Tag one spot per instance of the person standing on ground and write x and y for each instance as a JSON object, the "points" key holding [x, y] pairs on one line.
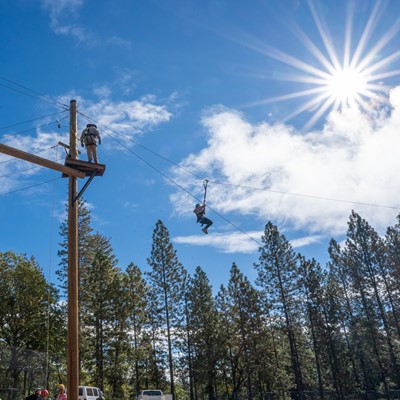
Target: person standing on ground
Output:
{"points": [[35, 396], [89, 138], [45, 395], [61, 395]]}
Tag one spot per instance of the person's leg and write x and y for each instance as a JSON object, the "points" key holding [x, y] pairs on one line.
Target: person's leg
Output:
{"points": [[207, 222], [89, 153], [94, 150]]}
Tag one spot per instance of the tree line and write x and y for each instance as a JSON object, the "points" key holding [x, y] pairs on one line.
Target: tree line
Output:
{"points": [[300, 331]]}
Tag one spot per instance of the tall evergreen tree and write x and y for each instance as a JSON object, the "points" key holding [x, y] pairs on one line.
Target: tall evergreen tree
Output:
{"points": [[165, 278], [278, 276], [85, 249], [362, 255], [239, 307], [205, 338], [392, 259], [97, 304], [136, 302]]}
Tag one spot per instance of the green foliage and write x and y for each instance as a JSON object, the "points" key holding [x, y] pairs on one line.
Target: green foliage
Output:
{"points": [[300, 328]]}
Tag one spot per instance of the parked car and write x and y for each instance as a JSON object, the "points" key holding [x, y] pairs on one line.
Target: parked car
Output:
{"points": [[154, 394], [90, 393]]}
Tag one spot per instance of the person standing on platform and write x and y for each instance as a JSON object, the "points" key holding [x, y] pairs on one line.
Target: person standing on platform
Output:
{"points": [[89, 138]]}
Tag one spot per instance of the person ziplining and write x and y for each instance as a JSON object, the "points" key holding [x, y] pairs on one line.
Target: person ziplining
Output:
{"points": [[200, 211]]}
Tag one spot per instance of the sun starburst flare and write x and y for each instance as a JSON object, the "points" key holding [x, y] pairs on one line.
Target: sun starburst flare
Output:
{"points": [[336, 84]]}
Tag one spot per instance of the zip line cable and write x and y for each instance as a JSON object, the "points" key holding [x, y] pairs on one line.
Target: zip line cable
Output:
{"points": [[43, 97], [66, 108], [34, 128], [229, 184], [143, 160], [235, 226], [140, 145], [306, 195], [34, 119], [20, 171], [175, 183], [29, 187]]}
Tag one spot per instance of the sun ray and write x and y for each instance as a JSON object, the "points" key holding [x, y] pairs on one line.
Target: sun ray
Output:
{"points": [[311, 46], [383, 63], [384, 75], [306, 106], [324, 35], [348, 34], [325, 106], [366, 34], [383, 41], [288, 96]]}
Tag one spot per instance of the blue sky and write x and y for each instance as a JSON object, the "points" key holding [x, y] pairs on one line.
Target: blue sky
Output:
{"points": [[290, 108]]}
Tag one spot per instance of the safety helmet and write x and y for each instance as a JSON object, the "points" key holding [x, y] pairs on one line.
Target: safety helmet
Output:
{"points": [[38, 390], [89, 125], [61, 387], [197, 205], [45, 393]]}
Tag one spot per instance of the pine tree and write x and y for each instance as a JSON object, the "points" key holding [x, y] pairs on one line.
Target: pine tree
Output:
{"points": [[278, 276], [136, 302], [342, 312], [205, 338], [363, 253], [96, 305], [85, 250], [392, 262], [239, 307], [166, 280]]}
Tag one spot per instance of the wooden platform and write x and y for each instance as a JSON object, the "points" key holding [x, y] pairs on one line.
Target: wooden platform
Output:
{"points": [[84, 166]]}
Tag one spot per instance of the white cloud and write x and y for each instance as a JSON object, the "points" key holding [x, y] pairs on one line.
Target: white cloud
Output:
{"points": [[128, 118], [239, 242], [306, 241], [235, 242], [61, 11], [64, 20], [116, 40], [352, 158]]}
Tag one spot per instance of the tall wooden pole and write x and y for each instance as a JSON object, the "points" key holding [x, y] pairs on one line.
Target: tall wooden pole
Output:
{"points": [[73, 280]]}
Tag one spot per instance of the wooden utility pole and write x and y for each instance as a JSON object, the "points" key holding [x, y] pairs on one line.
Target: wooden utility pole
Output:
{"points": [[72, 169], [73, 280]]}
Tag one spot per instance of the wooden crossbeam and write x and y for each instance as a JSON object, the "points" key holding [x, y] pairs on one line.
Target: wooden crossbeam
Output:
{"points": [[11, 151]]}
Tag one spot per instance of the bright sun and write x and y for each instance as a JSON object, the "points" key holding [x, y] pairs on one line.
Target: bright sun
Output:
{"points": [[333, 82], [346, 86]]}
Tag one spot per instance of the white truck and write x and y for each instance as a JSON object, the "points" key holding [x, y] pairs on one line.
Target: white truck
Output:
{"points": [[154, 394]]}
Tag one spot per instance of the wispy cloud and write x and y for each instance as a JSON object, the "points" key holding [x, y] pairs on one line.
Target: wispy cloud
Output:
{"points": [[236, 242], [61, 11], [239, 242], [65, 21], [308, 181], [128, 118]]}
